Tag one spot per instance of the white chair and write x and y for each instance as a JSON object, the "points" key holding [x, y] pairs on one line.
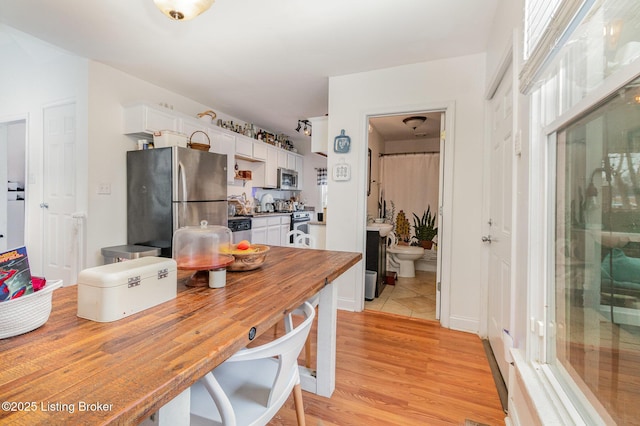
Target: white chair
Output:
{"points": [[300, 239], [250, 387]]}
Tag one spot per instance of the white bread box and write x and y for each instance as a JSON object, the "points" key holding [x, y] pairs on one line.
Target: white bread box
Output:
{"points": [[166, 138], [114, 291]]}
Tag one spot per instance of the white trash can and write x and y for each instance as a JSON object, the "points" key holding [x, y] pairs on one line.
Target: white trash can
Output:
{"points": [[370, 285]]}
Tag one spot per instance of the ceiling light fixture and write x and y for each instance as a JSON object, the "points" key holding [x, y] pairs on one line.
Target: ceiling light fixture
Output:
{"points": [[414, 121], [307, 127], [183, 10]]}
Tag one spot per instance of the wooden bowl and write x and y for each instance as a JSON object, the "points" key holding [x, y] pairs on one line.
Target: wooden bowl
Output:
{"points": [[250, 259]]}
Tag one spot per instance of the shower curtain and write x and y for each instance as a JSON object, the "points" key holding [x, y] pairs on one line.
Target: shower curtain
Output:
{"points": [[411, 181]]}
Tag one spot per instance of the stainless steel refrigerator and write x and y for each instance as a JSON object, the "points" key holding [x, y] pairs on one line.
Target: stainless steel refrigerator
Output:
{"points": [[168, 188]]}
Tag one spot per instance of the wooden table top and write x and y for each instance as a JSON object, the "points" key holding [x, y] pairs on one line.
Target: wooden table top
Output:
{"points": [[76, 371]]}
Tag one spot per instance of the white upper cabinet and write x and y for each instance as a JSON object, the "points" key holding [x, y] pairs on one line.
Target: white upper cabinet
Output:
{"points": [[291, 161], [282, 159], [147, 118], [320, 135], [195, 129], [224, 143], [244, 147], [260, 151], [271, 168]]}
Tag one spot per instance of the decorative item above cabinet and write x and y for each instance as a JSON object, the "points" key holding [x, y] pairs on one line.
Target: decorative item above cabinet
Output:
{"points": [[143, 119]]}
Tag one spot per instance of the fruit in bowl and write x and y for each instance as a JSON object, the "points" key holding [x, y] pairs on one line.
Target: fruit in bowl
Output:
{"points": [[247, 256]]}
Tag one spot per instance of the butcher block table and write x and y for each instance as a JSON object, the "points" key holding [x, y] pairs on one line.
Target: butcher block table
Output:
{"points": [[76, 371]]}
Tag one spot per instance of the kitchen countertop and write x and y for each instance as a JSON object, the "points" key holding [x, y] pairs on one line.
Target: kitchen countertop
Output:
{"points": [[262, 215], [315, 222], [132, 367]]}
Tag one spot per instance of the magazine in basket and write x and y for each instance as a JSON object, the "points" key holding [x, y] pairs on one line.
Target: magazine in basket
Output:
{"points": [[15, 275]]}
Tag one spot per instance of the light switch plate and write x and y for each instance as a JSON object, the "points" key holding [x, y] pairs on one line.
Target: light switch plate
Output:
{"points": [[104, 189]]}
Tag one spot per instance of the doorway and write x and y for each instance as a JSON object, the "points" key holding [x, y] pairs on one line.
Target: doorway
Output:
{"points": [[405, 181], [12, 196]]}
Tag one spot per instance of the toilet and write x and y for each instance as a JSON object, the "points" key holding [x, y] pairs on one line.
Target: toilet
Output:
{"points": [[402, 258]]}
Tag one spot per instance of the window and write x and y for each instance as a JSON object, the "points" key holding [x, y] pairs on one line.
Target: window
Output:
{"points": [[587, 99], [597, 256]]}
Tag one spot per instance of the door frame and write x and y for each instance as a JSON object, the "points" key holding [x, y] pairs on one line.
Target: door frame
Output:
{"points": [[445, 196], [10, 119]]}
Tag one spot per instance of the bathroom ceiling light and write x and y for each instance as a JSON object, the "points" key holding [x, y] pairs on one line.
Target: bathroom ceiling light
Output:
{"points": [[414, 121], [307, 127], [183, 10]]}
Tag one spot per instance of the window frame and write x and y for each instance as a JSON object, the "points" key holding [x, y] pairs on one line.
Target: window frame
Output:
{"points": [[542, 238]]}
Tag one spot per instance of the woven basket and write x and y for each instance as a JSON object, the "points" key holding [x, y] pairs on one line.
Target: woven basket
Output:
{"points": [[199, 146], [26, 313]]}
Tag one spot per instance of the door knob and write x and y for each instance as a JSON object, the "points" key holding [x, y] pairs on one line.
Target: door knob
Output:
{"points": [[486, 239], [44, 205]]}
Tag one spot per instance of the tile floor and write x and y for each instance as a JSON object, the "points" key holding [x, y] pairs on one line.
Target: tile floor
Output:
{"points": [[412, 297]]}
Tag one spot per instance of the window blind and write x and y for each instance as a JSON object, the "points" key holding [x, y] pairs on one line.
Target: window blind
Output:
{"points": [[548, 24], [538, 14]]}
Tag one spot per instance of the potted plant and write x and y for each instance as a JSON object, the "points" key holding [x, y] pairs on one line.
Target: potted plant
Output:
{"points": [[424, 229]]}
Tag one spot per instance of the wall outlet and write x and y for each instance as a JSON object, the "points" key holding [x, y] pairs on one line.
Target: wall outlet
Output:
{"points": [[104, 189]]}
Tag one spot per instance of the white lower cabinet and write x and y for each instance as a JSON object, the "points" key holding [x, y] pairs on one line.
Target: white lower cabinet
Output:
{"points": [[270, 230], [285, 224]]}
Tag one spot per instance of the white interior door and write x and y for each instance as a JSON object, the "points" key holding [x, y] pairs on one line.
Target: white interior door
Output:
{"points": [[59, 192], [499, 224], [3, 187]]}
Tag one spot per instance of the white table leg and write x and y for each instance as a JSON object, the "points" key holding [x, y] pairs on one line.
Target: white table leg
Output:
{"points": [[324, 381], [174, 413]]}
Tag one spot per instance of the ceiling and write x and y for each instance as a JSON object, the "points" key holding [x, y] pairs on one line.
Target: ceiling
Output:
{"points": [[392, 127], [266, 62]]}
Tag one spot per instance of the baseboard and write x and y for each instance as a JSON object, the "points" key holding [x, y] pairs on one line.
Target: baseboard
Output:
{"points": [[501, 387], [470, 325]]}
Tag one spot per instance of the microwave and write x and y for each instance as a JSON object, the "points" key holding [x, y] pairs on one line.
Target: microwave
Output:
{"points": [[287, 179]]}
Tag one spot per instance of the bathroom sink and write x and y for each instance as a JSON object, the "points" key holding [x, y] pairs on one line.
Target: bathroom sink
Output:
{"points": [[382, 228]]}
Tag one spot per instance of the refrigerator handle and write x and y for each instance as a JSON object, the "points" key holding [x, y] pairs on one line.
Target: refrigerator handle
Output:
{"points": [[183, 182]]}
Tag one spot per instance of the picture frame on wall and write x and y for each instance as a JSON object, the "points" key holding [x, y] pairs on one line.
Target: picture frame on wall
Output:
{"points": [[342, 143]]}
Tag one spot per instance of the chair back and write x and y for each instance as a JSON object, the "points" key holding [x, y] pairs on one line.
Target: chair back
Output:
{"points": [[283, 350], [300, 239], [286, 348]]}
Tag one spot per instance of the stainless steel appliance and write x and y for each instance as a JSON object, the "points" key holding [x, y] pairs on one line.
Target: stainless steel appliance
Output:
{"points": [[168, 188], [287, 179], [300, 221], [240, 228]]}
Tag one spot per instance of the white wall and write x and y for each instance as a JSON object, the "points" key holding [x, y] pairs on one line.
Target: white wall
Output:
{"points": [[310, 189], [418, 87], [34, 75], [377, 146], [413, 145], [109, 90]]}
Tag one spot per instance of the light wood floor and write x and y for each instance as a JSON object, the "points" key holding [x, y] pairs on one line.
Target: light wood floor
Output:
{"points": [[394, 370]]}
